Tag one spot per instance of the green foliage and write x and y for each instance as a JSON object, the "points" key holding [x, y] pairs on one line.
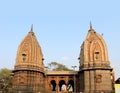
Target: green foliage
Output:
{"points": [[54, 66], [5, 79], [5, 73]]}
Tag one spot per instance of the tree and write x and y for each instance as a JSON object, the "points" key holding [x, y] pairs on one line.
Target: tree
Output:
{"points": [[5, 73], [54, 66], [5, 78]]}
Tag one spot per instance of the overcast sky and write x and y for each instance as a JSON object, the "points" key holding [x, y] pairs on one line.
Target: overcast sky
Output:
{"points": [[60, 27]]}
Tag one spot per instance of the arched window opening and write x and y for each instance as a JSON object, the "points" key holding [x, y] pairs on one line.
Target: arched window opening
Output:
{"points": [[62, 86], [96, 55], [24, 56], [70, 87], [53, 85]]}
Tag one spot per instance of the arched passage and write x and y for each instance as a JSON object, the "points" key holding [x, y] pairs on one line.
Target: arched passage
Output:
{"points": [[70, 86], [53, 85], [62, 85]]}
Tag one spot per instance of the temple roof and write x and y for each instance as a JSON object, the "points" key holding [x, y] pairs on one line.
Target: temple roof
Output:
{"points": [[61, 72], [29, 52], [93, 49]]}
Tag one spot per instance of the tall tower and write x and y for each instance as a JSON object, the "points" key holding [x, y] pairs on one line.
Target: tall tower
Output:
{"points": [[29, 67], [95, 71]]}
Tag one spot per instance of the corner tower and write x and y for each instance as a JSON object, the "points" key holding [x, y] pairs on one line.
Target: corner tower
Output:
{"points": [[29, 67], [95, 71]]}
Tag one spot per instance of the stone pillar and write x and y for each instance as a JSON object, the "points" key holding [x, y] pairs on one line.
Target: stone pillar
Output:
{"points": [[57, 88], [87, 81]]}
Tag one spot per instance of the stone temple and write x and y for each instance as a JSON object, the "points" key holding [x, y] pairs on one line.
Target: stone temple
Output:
{"points": [[95, 74]]}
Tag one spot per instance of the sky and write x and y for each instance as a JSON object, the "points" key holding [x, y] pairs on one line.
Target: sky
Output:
{"points": [[60, 27]]}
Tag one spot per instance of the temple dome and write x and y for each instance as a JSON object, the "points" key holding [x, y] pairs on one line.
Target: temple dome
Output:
{"points": [[29, 54], [93, 50]]}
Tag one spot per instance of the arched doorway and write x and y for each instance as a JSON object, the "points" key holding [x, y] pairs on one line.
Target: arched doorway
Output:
{"points": [[62, 85], [53, 85], [70, 87]]}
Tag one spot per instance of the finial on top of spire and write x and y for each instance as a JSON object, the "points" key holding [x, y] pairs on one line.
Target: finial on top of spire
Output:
{"points": [[91, 28], [90, 25], [32, 28]]}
